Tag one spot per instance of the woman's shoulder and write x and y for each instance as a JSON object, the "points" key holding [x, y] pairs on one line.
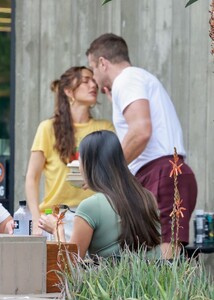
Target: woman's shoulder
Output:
{"points": [[45, 125], [93, 200]]}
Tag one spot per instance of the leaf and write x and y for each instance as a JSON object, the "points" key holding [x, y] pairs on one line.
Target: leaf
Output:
{"points": [[105, 1], [105, 295], [190, 2], [92, 291]]}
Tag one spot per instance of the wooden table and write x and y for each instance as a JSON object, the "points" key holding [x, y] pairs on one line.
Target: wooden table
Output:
{"points": [[193, 249]]}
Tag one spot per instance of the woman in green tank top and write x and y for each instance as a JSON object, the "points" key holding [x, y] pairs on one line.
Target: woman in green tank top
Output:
{"points": [[121, 214]]}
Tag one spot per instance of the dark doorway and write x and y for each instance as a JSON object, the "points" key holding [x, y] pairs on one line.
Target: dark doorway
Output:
{"points": [[7, 66]]}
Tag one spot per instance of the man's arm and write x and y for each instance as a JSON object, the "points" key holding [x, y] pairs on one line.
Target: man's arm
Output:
{"points": [[137, 116]]}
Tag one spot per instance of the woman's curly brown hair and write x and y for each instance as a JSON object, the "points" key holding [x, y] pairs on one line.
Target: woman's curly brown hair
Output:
{"points": [[63, 122]]}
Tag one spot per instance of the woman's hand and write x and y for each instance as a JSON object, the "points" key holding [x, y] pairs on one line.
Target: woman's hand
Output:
{"points": [[48, 223]]}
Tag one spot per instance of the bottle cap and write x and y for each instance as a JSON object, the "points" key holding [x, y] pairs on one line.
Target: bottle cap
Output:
{"points": [[23, 203], [199, 212], [48, 211]]}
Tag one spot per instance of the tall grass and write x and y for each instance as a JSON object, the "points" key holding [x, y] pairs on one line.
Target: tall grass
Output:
{"points": [[134, 277]]}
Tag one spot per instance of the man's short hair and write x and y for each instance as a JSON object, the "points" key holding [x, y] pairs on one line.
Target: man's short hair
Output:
{"points": [[111, 47]]}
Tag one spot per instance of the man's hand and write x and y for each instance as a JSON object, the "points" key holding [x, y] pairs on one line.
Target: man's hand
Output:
{"points": [[107, 91]]}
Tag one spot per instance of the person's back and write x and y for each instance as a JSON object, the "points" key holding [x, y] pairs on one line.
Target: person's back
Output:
{"points": [[106, 224], [100, 215], [137, 83]]}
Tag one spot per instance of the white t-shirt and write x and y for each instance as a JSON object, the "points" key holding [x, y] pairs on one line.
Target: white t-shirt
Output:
{"points": [[3, 213], [133, 84]]}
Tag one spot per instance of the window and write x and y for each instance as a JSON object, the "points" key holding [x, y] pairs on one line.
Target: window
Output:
{"points": [[5, 37]]}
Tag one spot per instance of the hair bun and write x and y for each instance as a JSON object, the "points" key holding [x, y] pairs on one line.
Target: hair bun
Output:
{"points": [[55, 85]]}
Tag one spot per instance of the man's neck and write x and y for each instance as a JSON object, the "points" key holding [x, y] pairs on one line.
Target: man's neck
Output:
{"points": [[116, 69]]}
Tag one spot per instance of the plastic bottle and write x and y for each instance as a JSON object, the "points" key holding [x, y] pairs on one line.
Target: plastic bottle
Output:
{"points": [[49, 236], [67, 220], [199, 226], [22, 219]]}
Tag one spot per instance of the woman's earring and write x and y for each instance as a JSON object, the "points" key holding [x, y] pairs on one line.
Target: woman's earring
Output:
{"points": [[71, 100]]}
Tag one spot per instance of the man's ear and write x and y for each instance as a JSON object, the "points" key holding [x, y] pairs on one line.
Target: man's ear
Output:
{"points": [[69, 93], [103, 62]]}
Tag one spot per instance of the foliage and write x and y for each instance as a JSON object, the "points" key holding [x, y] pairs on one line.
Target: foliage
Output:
{"points": [[188, 3], [105, 1], [4, 52], [134, 277]]}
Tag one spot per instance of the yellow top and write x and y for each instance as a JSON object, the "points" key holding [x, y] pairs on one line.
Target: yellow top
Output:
{"points": [[57, 189]]}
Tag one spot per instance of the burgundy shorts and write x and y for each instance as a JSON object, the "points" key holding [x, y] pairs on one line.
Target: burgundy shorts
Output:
{"points": [[155, 177]]}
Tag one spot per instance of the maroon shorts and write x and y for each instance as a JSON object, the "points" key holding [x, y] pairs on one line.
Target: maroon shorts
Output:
{"points": [[155, 177]]}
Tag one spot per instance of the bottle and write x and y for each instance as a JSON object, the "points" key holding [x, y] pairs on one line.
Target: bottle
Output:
{"points": [[199, 226], [22, 219], [68, 219], [49, 236]]}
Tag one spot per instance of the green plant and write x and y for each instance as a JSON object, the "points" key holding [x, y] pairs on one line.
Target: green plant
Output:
{"points": [[188, 3], [132, 276]]}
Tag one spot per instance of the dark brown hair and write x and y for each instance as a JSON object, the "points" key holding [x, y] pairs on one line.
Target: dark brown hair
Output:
{"points": [[63, 123], [106, 171], [109, 46]]}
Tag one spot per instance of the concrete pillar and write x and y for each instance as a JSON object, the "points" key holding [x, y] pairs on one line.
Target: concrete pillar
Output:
{"points": [[23, 262]]}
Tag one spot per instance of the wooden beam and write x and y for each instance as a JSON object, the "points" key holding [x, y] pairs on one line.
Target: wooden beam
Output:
{"points": [[6, 10], [5, 20], [5, 29]]}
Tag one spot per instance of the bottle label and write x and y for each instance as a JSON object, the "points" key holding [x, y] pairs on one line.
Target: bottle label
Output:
{"points": [[30, 227], [22, 227], [200, 222]]}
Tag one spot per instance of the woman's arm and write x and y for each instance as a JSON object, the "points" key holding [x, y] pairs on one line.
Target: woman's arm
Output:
{"points": [[7, 225], [33, 176], [81, 235], [49, 224]]}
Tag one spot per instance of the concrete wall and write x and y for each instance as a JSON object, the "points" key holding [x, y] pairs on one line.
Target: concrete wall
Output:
{"points": [[163, 36]]}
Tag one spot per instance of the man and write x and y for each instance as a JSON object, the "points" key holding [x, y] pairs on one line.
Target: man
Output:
{"points": [[148, 128], [6, 221]]}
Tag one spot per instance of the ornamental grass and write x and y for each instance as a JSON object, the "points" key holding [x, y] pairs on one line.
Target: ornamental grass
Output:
{"points": [[132, 276]]}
